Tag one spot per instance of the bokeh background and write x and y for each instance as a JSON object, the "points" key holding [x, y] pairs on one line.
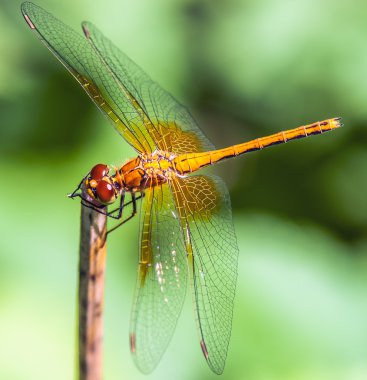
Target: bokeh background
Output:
{"points": [[245, 68]]}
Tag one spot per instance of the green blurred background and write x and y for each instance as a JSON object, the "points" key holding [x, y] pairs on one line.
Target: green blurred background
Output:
{"points": [[245, 69]]}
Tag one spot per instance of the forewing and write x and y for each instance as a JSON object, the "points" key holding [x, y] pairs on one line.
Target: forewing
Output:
{"points": [[173, 127], [212, 254], [162, 279], [96, 78]]}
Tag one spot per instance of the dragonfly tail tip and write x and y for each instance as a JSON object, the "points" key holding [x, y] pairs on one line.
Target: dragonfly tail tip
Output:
{"points": [[338, 122]]}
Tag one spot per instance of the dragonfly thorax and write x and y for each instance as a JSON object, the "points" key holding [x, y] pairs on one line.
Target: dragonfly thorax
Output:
{"points": [[147, 170], [159, 166]]}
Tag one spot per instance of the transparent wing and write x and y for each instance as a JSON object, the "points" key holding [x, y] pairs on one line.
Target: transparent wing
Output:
{"points": [[162, 279], [141, 111], [205, 211], [96, 78], [173, 128]]}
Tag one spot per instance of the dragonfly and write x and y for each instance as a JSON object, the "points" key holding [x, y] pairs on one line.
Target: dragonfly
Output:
{"points": [[186, 228]]}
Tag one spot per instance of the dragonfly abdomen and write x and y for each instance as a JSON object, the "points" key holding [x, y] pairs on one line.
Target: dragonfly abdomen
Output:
{"points": [[188, 163]]}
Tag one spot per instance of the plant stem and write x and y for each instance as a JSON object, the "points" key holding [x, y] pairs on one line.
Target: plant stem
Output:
{"points": [[92, 264]]}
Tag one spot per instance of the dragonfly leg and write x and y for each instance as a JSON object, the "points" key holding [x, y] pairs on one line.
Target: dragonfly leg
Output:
{"points": [[101, 208], [128, 203], [74, 193], [133, 213], [119, 209], [92, 206]]}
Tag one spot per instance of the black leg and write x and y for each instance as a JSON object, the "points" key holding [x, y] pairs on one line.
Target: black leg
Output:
{"points": [[92, 206], [74, 194], [129, 203], [133, 201], [100, 209], [120, 208]]}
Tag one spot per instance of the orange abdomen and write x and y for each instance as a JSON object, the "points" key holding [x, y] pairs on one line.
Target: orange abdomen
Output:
{"points": [[188, 163]]}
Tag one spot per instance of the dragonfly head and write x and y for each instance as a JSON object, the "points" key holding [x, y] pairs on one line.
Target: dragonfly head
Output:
{"points": [[100, 186]]}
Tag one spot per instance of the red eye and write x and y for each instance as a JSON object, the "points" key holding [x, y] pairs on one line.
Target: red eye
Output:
{"points": [[105, 192], [99, 171]]}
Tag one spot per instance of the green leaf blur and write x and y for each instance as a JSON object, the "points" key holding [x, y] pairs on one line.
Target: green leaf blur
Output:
{"points": [[245, 69]]}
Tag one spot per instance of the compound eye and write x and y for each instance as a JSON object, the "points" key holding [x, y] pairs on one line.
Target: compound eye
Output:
{"points": [[99, 171], [105, 192]]}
